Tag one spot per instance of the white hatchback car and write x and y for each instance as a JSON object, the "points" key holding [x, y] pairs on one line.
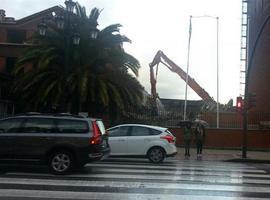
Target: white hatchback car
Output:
{"points": [[154, 142]]}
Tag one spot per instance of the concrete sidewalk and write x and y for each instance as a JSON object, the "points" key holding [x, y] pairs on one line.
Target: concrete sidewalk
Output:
{"points": [[226, 155]]}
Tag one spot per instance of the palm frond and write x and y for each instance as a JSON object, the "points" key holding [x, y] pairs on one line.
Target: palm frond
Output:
{"points": [[115, 95], [111, 29], [94, 15], [103, 92], [132, 63], [80, 11]]}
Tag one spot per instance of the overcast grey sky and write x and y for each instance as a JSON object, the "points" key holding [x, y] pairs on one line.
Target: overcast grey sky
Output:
{"points": [[163, 24]]}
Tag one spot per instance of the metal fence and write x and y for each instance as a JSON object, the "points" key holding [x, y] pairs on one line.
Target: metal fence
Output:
{"points": [[153, 116], [171, 119], [157, 118]]}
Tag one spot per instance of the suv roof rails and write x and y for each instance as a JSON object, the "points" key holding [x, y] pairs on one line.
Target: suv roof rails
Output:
{"points": [[67, 115], [28, 113], [50, 114]]}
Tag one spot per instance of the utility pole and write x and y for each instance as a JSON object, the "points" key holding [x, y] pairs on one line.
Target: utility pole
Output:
{"points": [[188, 55], [217, 72]]}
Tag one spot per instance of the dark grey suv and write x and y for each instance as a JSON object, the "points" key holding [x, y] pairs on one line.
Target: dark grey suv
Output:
{"points": [[61, 141]]}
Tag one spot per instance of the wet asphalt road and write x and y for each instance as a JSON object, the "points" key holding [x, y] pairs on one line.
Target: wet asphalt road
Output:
{"points": [[122, 178]]}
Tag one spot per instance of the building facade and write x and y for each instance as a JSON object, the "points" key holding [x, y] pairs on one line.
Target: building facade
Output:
{"points": [[258, 55], [14, 38]]}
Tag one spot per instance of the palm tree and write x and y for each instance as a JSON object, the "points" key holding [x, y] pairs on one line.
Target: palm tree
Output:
{"points": [[97, 78]]}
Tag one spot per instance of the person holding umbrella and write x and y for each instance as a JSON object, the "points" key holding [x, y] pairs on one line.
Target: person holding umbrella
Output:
{"points": [[199, 137], [187, 138]]}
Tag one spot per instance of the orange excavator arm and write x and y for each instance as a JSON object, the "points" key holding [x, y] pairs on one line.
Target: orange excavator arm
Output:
{"points": [[160, 57]]}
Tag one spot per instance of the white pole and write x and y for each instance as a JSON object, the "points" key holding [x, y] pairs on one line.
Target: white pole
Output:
{"points": [[217, 72], [188, 54]]}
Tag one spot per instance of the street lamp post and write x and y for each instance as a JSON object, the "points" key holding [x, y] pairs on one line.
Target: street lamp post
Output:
{"points": [[42, 28], [63, 23], [70, 5], [189, 41], [188, 56], [66, 25]]}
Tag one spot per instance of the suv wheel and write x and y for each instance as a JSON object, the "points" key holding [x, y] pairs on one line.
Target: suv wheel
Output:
{"points": [[156, 155], [61, 162]]}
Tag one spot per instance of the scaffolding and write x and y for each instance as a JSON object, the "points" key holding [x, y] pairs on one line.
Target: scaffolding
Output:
{"points": [[244, 47]]}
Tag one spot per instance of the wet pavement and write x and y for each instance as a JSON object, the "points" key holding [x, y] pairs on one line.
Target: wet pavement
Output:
{"points": [[130, 178], [228, 155]]}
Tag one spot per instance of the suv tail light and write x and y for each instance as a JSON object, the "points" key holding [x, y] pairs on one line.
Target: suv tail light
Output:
{"points": [[96, 138], [169, 138]]}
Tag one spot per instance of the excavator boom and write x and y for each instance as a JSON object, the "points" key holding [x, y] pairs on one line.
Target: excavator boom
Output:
{"points": [[160, 57]]}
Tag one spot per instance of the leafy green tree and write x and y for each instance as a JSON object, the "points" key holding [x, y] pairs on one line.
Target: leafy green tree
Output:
{"points": [[100, 75]]}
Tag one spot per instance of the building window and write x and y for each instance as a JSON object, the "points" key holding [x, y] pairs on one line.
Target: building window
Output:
{"points": [[10, 63], [16, 36]]}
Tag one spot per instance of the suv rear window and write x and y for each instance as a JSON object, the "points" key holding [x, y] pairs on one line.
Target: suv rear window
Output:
{"points": [[101, 127], [72, 126]]}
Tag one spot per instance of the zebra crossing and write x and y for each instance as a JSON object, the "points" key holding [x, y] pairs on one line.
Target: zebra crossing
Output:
{"points": [[134, 179]]}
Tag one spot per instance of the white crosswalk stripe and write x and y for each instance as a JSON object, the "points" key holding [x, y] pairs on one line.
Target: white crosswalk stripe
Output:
{"points": [[135, 179], [134, 184], [181, 167], [111, 196]]}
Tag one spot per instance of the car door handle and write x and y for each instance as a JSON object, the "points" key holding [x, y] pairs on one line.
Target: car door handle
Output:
{"points": [[121, 140]]}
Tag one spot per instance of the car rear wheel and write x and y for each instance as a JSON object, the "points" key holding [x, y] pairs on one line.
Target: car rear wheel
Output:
{"points": [[156, 155], [61, 162]]}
